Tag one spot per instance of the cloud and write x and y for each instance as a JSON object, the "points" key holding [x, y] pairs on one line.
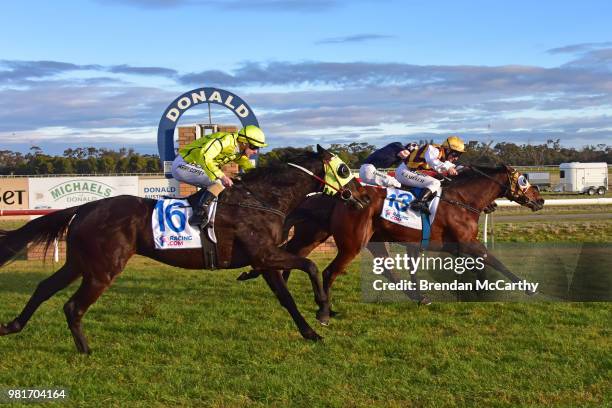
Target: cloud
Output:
{"points": [[596, 57], [20, 72], [579, 48], [307, 102], [357, 38], [508, 79], [150, 71], [11, 71]]}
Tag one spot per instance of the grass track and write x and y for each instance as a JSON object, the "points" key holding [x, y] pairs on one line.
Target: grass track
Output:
{"points": [[168, 337]]}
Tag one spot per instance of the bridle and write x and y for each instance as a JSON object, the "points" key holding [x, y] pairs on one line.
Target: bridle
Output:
{"points": [[344, 193], [515, 189]]}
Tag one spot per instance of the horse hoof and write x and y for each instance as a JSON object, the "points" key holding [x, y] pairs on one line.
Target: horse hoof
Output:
{"points": [[333, 313], [10, 328], [424, 301], [252, 274], [323, 318], [312, 335]]}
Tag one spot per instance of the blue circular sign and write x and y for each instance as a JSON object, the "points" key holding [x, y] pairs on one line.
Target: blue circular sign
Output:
{"points": [[168, 121]]}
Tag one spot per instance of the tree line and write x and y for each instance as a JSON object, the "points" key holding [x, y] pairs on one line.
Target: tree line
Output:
{"points": [[91, 160], [549, 153], [81, 160]]}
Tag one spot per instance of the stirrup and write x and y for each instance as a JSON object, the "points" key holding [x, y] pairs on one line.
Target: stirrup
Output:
{"points": [[200, 218], [420, 206]]}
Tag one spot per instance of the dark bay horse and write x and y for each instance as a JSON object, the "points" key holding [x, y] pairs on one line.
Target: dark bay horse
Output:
{"points": [[101, 236], [454, 230]]}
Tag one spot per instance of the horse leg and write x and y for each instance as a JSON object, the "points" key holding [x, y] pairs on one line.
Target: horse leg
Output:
{"points": [[89, 291], [300, 247], [306, 237], [331, 272], [45, 289], [275, 259], [379, 250], [477, 249], [275, 281]]}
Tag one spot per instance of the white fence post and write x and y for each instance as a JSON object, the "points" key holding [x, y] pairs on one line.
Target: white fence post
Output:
{"points": [[55, 251]]}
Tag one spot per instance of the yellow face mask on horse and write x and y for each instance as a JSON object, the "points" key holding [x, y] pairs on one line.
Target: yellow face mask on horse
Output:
{"points": [[337, 175]]}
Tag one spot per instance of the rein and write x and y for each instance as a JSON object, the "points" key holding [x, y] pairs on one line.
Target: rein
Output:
{"points": [[469, 207], [462, 205], [311, 174], [261, 207], [482, 173], [513, 196], [258, 207]]}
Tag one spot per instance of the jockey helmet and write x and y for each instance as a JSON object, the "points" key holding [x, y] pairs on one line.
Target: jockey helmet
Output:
{"points": [[454, 143], [411, 146], [252, 135]]}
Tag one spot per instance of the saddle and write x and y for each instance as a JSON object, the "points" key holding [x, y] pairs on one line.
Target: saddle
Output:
{"points": [[207, 234]]}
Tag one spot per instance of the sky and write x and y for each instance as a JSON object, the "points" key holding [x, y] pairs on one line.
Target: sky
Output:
{"points": [[101, 72]]}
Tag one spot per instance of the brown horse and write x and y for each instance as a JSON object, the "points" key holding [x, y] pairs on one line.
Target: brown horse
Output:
{"points": [[102, 235], [454, 230]]}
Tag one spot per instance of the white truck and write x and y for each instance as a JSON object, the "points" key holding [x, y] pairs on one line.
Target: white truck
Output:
{"points": [[589, 178]]}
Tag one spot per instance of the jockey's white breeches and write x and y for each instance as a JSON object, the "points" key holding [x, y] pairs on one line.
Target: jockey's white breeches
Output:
{"points": [[369, 174], [191, 173], [413, 179]]}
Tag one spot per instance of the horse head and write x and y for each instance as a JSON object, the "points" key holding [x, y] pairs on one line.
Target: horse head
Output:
{"points": [[339, 181], [520, 191]]}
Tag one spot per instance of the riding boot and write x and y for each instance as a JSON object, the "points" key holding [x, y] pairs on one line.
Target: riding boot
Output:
{"points": [[422, 203], [200, 212]]}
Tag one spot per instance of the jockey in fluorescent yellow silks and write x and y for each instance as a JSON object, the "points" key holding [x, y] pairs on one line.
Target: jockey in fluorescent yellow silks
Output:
{"points": [[199, 163]]}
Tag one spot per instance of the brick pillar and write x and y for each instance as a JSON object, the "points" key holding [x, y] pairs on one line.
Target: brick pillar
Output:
{"points": [[186, 134]]}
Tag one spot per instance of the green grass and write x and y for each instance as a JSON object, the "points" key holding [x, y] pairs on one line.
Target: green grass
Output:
{"points": [[11, 224], [168, 337], [550, 210], [554, 231], [551, 195]]}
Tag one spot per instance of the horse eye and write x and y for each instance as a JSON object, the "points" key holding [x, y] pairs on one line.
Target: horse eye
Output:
{"points": [[343, 171]]}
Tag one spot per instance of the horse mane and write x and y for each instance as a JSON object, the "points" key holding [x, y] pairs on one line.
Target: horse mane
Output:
{"points": [[467, 176], [276, 168]]}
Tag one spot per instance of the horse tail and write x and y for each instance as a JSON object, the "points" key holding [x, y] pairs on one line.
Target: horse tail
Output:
{"points": [[41, 230]]}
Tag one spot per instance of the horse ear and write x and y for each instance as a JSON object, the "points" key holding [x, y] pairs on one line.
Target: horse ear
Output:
{"points": [[323, 153]]}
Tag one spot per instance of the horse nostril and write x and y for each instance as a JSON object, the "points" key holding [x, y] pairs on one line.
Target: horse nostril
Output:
{"points": [[541, 201]]}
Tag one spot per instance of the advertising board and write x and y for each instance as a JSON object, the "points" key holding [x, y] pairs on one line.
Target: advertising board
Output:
{"points": [[157, 188], [14, 194], [64, 192]]}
